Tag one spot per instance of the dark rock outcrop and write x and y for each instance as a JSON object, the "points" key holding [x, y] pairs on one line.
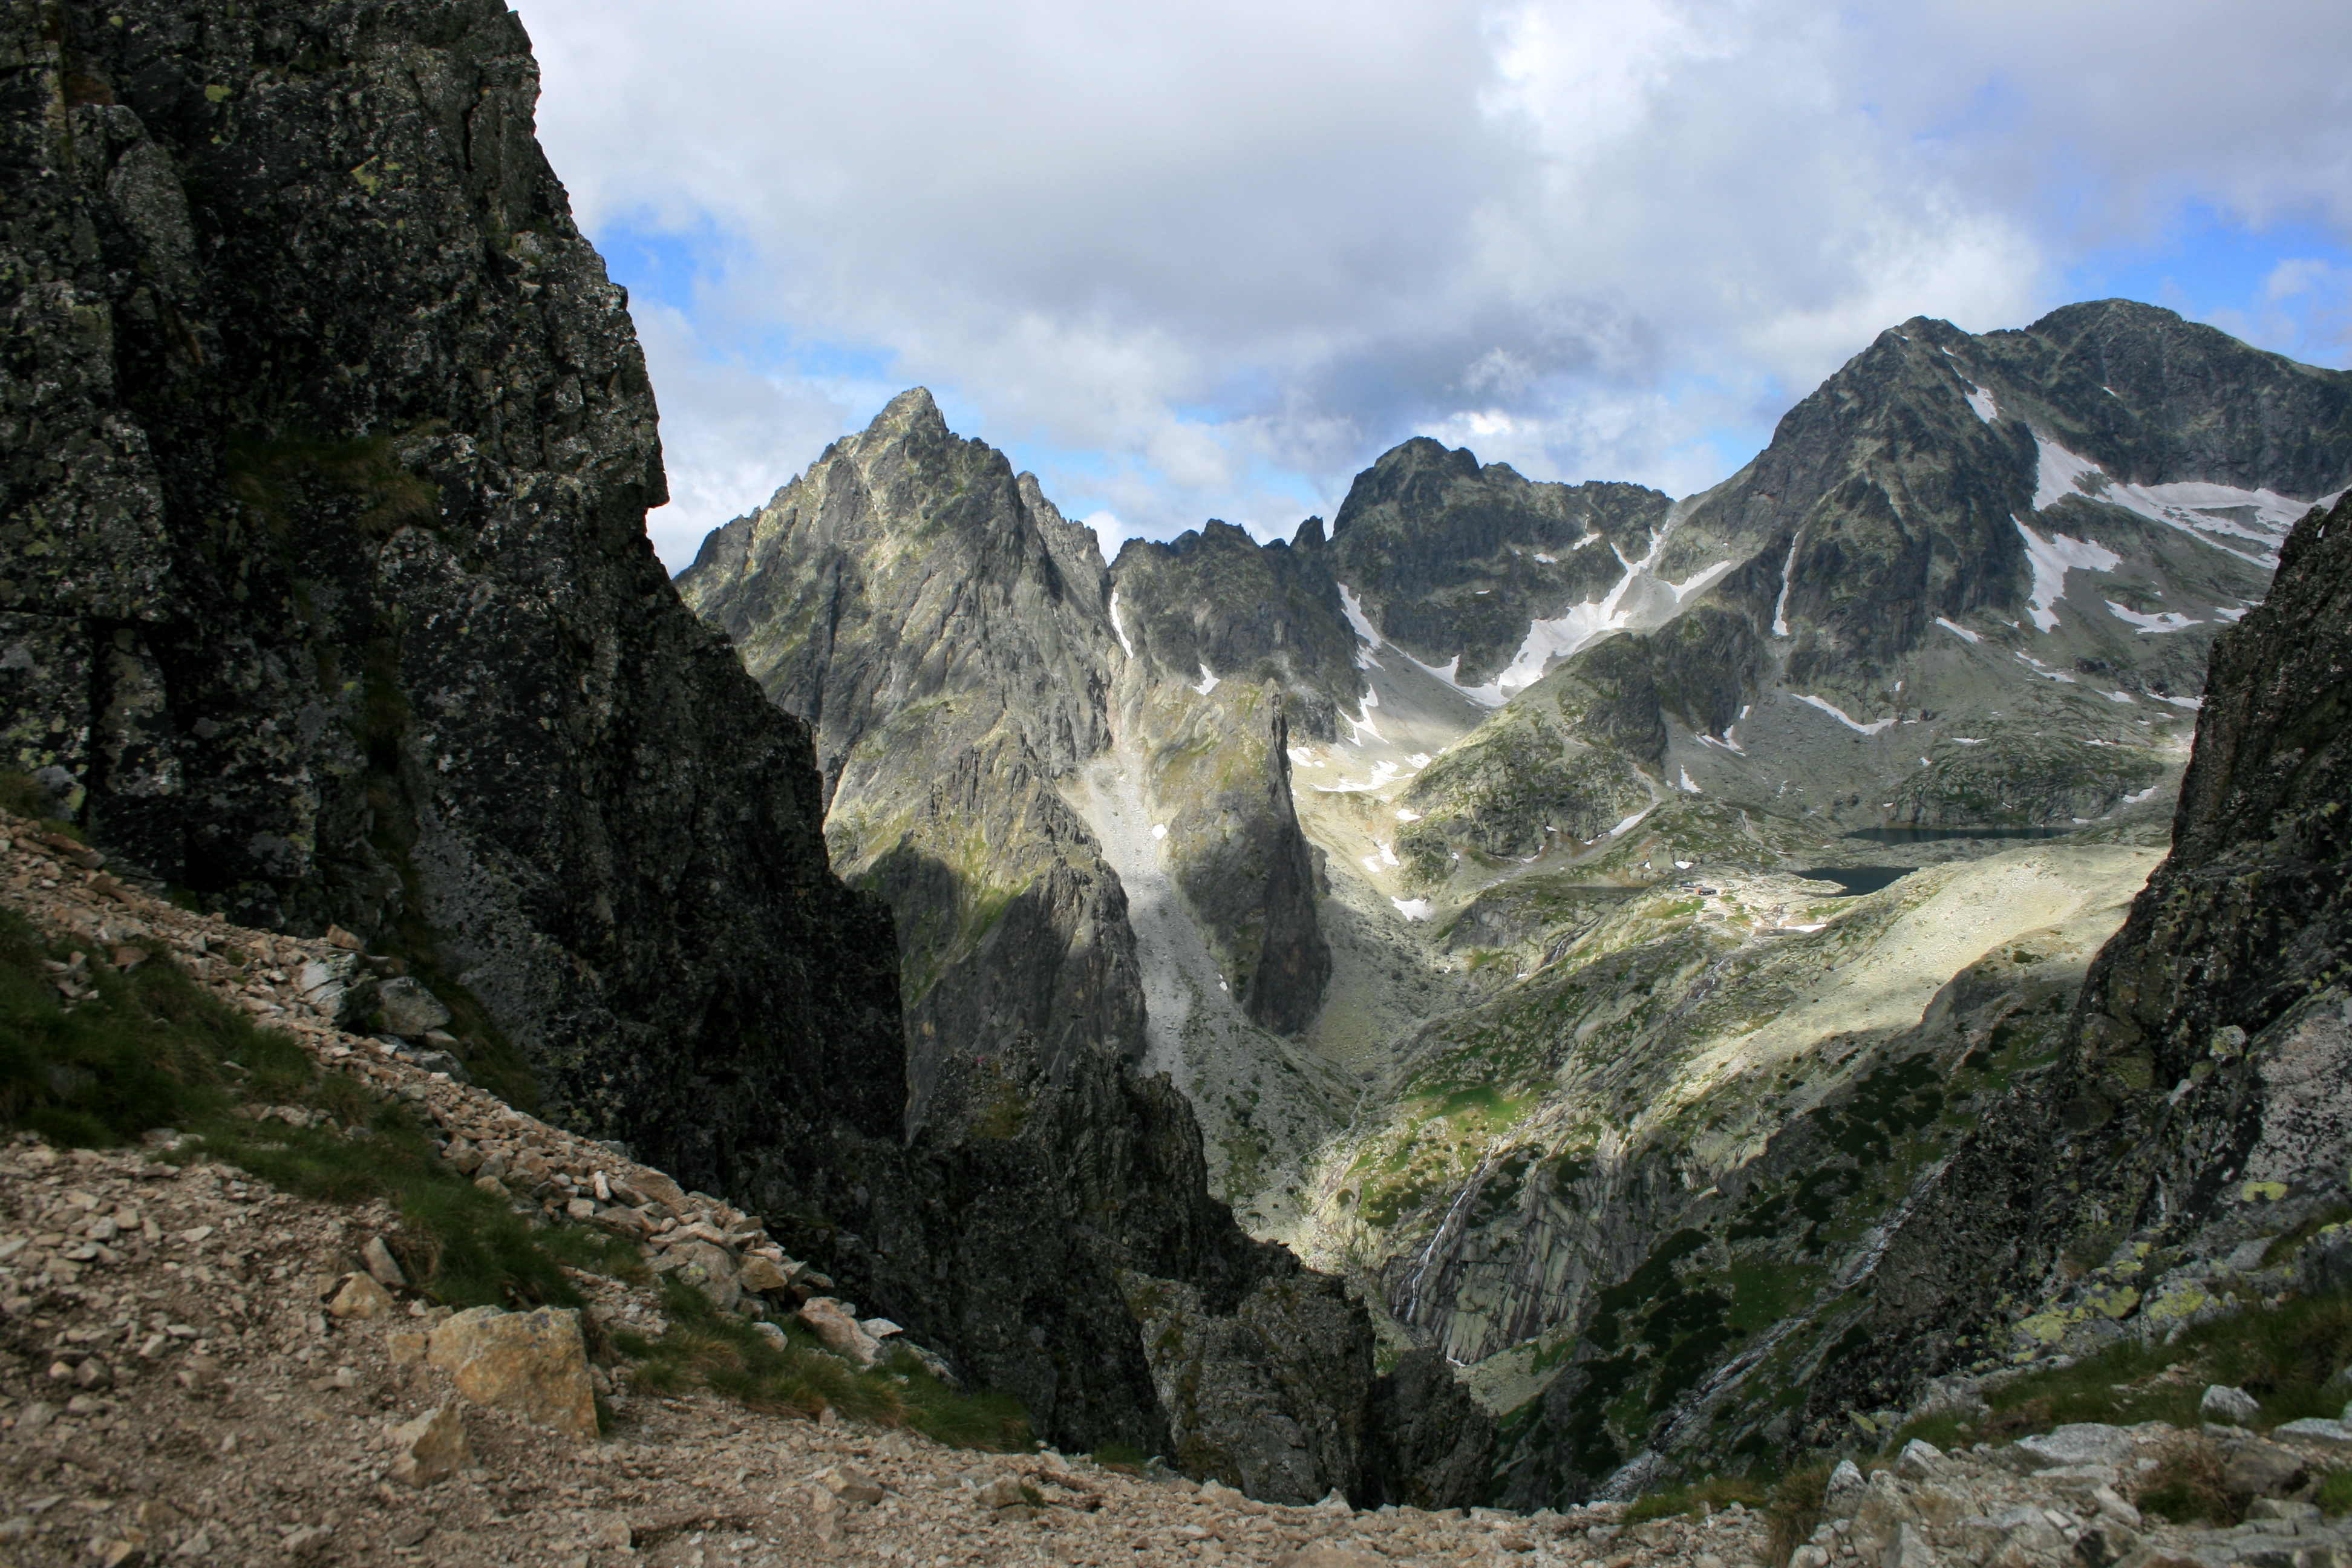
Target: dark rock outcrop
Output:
{"points": [[945, 632], [1216, 600], [1059, 1240], [1267, 623], [326, 586], [325, 596], [1454, 558], [2207, 1067], [2153, 398]]}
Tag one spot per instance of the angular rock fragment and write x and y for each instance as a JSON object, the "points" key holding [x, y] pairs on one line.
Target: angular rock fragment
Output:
{"points": [[409, 1009], [2234, 1405], [532, 1363], [838, 1329], [381, 1264], [361, 1297], [2262, 1469], [761, 1276], [1918, 1461], [432, 1448]]}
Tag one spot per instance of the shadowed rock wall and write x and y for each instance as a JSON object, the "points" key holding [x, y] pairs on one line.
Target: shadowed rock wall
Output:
{"points": [[2208, 1063], [327, 595]]}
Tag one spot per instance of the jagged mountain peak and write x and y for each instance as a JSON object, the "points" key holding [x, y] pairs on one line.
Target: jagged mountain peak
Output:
{"points": [[912, 409], [1455, 560], [2153, 398], [1403, 473]]}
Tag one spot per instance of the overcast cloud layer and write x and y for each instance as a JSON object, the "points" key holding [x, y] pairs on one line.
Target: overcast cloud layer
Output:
{"points": [[1210, 259]]}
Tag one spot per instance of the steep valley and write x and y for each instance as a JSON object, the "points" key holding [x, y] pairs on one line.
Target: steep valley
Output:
{"points": [[1488, 858], [1523, 993]]}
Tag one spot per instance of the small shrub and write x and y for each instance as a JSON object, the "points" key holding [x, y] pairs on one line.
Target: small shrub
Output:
{"points": [[2336, 1494], [22, 795], [1794, 1509], [2186, 1487]]}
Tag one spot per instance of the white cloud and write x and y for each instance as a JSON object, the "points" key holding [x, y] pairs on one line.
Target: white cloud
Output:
{"points": [[1210, 259], [730, 436]]}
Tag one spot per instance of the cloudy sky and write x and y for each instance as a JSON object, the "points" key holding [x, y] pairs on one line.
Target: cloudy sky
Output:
{"points": [[1209, 260]]}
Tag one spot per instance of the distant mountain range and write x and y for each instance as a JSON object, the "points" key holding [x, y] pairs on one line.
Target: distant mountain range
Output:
{"points": [[1367, 836], [1038, 946]]}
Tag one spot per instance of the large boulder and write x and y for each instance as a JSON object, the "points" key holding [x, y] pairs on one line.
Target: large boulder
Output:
{"points": [[1272, 1398], [410, 1010], [533, 1364]]}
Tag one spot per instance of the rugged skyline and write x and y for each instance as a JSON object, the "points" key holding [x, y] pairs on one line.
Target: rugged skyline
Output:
{"points": [[1467, 861], [1211, 261]]}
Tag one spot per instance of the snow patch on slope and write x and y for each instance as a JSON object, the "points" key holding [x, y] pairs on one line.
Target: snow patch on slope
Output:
{"points": [[1490, 695], [1840, 714], [2169, 621], [2211, 513], [1118, 630], [2051, 559], [1781, 606], [1638, 603]]}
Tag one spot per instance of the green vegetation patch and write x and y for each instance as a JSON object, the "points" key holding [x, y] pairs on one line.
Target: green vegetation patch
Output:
{"points": [[793, 1374], [1701, 1497], [151, 1048], [2283, 1355]]}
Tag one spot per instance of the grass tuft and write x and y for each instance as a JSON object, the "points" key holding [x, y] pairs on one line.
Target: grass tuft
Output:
{"points": [[1794, 1508], [22, 795], [1708, 1493], [2186, 1487], [152, 1050], [1125, 1457], [707, 1349]]}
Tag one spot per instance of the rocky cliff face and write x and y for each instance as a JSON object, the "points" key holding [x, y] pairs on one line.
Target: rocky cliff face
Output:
{"points": [[2204, 1089], [1894, 494], [945, 633], [929, 613], [1070, 782], [1233, 645], [1454, 559], [327, 595], [994, 741]]}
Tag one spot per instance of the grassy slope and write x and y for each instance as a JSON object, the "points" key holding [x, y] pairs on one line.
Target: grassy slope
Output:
{"points": [[148, 1048]]}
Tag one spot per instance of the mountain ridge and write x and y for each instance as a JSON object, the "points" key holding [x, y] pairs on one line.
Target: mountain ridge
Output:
{"points": [[1553, 753], [327, 602]]}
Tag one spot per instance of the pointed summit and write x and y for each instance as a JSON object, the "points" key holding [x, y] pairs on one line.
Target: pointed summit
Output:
{"points": [[911, 409]]}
